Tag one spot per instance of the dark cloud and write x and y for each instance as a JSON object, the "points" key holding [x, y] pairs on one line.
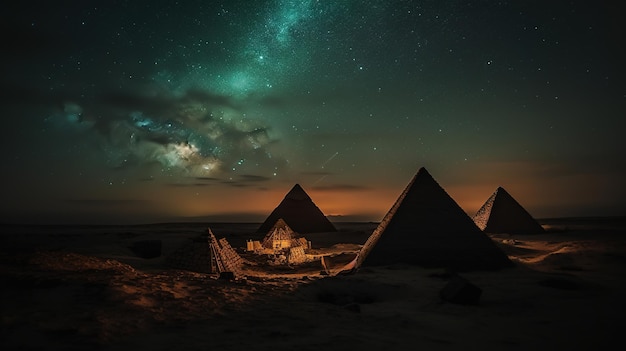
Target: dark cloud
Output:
{"points": [[315, 173], [197, 132], [209, 179], [207, 98], [180, 185], [253, 178], [105, 202], [236, 184], [164, 103], [340, 187], [245, 180]]}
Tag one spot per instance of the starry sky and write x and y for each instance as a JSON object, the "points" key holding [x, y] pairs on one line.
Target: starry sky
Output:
{"points": [[151, 111]]}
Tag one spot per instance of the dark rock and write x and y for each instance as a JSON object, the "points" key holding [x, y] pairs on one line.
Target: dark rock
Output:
{"points": [[460, 291], [227, 275], [147, 248], [353, 307], [559, 283]]}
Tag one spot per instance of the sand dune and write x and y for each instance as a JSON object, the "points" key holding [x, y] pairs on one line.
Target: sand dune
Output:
{"points": [[78, 290]]}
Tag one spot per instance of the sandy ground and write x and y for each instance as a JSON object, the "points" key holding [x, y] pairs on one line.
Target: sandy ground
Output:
{"points": [[80, 288]]}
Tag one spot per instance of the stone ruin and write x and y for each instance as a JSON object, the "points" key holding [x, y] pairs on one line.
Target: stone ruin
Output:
{"points": [[206, 254], [282, 244]]}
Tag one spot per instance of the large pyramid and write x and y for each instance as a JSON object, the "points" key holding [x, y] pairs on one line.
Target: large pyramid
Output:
{"points": [[426, 227], [300, 213], [501, 213]]}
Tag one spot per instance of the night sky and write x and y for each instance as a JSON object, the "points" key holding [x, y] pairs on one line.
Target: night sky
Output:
{"points": [[151, 111]]}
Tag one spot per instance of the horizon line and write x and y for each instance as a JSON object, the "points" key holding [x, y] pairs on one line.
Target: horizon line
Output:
{"points": [[165, 222]]}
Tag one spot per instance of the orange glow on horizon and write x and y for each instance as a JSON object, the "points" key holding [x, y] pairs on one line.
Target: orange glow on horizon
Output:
{"points": [[548, 196], [369, 205]]}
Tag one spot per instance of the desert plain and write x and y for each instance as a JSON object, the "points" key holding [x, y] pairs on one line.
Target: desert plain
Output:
{"points": [[81, 287]]}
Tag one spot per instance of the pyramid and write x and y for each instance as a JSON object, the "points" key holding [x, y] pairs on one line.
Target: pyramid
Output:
{"points": [[426, 227], [501, 213], [279, 232], [299, 211]]}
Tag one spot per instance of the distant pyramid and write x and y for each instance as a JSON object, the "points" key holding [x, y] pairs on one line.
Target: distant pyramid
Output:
{"points": [[501, 213], [299, 211], [426, 227]]}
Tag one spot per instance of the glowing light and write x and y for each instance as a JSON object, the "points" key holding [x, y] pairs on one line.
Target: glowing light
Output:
{"points": [[73, 112], [185, 151], [241, 81], [178, 155], [209, 167]]}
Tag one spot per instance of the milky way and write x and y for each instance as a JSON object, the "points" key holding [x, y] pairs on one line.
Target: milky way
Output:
{"points": [[114, 102], [194, 121]]}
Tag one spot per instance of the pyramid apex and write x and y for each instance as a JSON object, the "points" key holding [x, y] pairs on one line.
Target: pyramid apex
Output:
{"points": [[501, 191], [422, 176], [297, 193], [280, 223], [299, 212], [422, 172]]}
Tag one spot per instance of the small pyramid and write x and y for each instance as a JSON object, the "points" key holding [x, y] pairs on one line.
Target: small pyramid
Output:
{"points": [[298, 210], [280, 231], [501, 213], [426, 227]]}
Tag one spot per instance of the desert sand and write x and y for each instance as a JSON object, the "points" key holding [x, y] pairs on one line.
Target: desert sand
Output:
{"points": [[82, 287]]}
